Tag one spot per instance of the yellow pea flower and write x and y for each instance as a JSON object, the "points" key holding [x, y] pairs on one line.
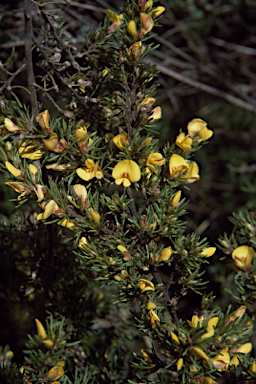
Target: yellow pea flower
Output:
{"points": [[66, 223], [245, 348], [42, 334], [200, 353], [208, 252], [184, 142], [151, 305], [132, 30], [179, 364], [153, 318], [40, 191], [27, 150], [115, 19], [92, 170], [136, 49], [51, 143], [156, 159], [81, 192], [14, 171], [212, 323], [121, 141], [56, 372], [195, 126], [174, 337], [146, 23], [165, 254], [95, 216], [176, 199], [234, 361], [236, 315], [192, 173], [43, 121], [83, 243], [145, 285], [126, 172], [19, 187], [157, 11], [193, 323], [80, 136], [50, 208], [177, 165], [243, 256], [156, 114], [222, 360], [10, 126], [58, 167]]}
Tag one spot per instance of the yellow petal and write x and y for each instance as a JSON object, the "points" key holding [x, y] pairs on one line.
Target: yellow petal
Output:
{"points": [[194, 322], [165, 254], [14, 171], [176, 199], [66, 223], [52, 142], [158, 11], [156, 114], [56, 372], [177, 165], [196, 125], [80, 191], [43, 120], [151, 305], [121, 248], [81, 133], [179, 364], [245, 348], [200, 353], [48, 343], [131, 28], [136, 49], [208, 252], [184, 142], [212, 323], [10, 126], [146, 22], [33, 169], [113, 17], [95, 216], [234, 361], [121, 141], [40, 329], [175, 337], [50, 208]]}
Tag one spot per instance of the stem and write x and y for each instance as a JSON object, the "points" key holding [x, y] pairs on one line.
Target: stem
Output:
{"points": [[29, 59]]}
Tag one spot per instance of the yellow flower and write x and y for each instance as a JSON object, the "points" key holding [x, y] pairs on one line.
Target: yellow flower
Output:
{"points": [[176, 199], [177, 165], [196, 125], [234, 361], [156, 114], [212, 323], [136, 49], [126, 254], [81, 192], [208, 334], [200, 353], [156, 159], [42, 334], [132, 30], [14, 171], [145, 285], [236, 315], [145, 354], [157, 11], [208, 252], [174, 337], [115, 20], [50, 208], [19, 187], [95, 216], [10, 126], [27, 150], [193, 323], [56, 372], [121, 141], [40, 191], [80, 136], [146, 23], [83, 243], [146, 5], [104, 72], [184, 142], [92, 170], [126, 172], [243, 256], [208, 380], [58, 167], [165, 254], [153, 318], [66, 223], [43, 121], [204, 134], [252, 367], [245, 348], [179, 364], [151, 305], [51, 143], [192, 173], [221, 361]]}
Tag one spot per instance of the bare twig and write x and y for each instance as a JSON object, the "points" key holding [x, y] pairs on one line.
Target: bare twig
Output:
{"points": [[29, 59], [233, 47], [204, 87], [7, 83]]}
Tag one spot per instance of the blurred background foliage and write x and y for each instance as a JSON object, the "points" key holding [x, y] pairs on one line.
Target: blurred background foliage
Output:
{"points": [[206, 59]]}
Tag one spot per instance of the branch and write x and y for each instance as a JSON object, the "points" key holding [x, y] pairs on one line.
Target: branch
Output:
{"points": [[29, 59], [204, 87]]}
